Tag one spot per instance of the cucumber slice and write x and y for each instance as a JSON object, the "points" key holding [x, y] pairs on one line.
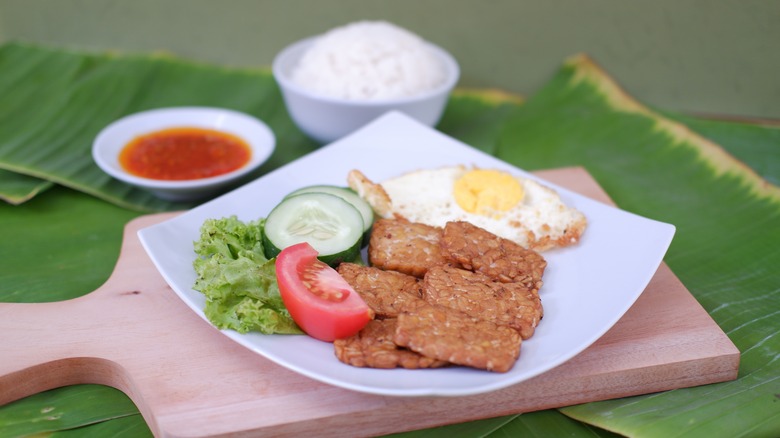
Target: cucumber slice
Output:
{"points": [[348, 195], [331, 225]]}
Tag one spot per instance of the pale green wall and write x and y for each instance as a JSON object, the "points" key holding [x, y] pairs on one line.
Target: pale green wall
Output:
{"points": [[719, 57]]}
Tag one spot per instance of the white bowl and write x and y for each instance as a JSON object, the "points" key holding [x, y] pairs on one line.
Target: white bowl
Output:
{"points": [[114, 137], [326, 119]]}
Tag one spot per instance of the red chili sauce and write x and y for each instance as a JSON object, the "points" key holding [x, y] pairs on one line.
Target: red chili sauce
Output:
{"points": [[184, 153]]}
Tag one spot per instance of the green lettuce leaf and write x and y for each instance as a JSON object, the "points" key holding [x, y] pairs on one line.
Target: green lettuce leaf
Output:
{"points": [[239, 282]]}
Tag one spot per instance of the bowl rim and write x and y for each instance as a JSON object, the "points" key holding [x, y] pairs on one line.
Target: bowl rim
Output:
{"points": [[106, 140], [299, 47]]}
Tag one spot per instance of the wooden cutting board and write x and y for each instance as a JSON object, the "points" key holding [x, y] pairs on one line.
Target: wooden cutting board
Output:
{"points": [[135, 334]]}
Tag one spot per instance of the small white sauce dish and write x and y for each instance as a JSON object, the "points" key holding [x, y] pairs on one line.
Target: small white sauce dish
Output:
{"points": [[113, 138], [326, 119]]}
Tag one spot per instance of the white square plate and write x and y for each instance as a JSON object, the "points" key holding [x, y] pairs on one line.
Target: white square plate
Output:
{"points": [[587, 287]]}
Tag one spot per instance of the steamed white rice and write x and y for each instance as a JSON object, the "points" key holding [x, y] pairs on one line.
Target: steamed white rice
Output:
{"points": [[369, 60]]}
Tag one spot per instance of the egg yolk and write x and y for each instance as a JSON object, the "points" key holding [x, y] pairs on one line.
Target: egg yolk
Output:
{"points": [[487, 192]]}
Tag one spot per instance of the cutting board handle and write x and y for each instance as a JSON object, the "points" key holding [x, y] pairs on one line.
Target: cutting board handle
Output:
{"points": [[86, 339]]}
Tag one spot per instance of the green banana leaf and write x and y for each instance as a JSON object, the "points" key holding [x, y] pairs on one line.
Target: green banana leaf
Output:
{"points": [[741, 139], [16, 188], [51, 411], [28, 81], [726, 250], [648, 163]]}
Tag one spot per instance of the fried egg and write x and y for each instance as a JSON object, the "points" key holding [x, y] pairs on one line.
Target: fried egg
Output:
{"points": [[517, 208]]}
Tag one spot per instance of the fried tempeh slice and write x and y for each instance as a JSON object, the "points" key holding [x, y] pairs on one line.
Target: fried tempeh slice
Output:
{"points": [[385, 292], [403, 246], [476, 249], [475, 294], [373, 347], [447, 334]]}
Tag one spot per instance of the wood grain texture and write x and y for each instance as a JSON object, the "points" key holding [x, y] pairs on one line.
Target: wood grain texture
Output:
{"points": [[135, 334]]}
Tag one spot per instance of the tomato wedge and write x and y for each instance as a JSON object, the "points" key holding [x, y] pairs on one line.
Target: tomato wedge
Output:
{"points": [[319, 300]]}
